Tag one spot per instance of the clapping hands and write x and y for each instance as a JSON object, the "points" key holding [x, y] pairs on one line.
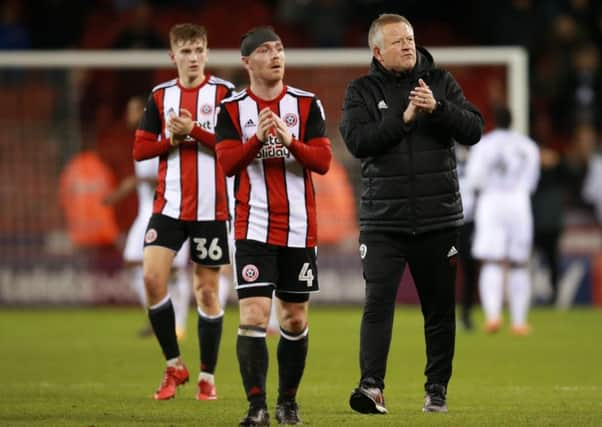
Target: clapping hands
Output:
{"points": [[270, 122], [421, 100]]}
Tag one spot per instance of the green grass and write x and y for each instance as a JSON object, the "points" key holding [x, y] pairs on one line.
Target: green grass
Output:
{"points": [[86, 367]]}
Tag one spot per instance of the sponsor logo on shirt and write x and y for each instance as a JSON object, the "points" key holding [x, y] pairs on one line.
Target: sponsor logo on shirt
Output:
{"points": [[273, 149]]}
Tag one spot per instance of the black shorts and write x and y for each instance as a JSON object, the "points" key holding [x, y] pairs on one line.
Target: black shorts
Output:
{"points": [[208, 239], [261, 268]]}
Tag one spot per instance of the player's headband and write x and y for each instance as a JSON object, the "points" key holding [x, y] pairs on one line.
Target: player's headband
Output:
{"points": [[255, 38]]}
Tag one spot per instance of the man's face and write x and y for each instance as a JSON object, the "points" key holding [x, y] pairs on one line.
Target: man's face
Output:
{"points": [[189, 58], [266, 62], [398, 52], [134, 112]]}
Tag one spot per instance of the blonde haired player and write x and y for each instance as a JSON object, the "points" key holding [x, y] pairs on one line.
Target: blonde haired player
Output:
{"points": [[503, 170], [190, 204]]}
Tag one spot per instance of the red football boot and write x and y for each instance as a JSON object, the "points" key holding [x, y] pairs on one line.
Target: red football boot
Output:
{"points": [[172, 378], [206, 391]]}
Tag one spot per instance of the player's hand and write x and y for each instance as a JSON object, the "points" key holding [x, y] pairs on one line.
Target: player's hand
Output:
{"points": [[265, 125], [282, 132], [422, 97], [181, 125]]}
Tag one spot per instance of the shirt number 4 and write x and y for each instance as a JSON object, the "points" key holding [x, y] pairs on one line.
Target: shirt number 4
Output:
{"points": [[214, 251], [306, 274]]}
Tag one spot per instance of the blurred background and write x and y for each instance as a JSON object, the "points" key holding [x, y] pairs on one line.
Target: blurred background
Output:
{"points": [[50, 115]]}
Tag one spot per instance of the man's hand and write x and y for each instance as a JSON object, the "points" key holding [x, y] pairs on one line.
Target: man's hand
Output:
{"points": [[180, 126], [282, 132], [422, 98], [266, 122], [409, 115]]}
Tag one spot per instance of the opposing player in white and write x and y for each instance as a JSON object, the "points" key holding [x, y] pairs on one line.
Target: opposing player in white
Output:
{"points": [[144, 181], [503, 170]]}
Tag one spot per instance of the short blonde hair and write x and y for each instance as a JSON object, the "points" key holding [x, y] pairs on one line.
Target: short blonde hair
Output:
{"points": [[375, 34], [187, 32]]}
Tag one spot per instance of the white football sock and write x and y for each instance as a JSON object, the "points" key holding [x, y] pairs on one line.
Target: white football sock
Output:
{"points": [[491, 288], [519, 290]]}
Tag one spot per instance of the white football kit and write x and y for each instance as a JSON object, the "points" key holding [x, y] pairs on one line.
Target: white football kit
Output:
{"points": [[592, 190], [179, 285], [134, 246], [503, 168]]}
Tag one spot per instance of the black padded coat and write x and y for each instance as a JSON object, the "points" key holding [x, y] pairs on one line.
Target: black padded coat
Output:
{"points": [[408, 172]]}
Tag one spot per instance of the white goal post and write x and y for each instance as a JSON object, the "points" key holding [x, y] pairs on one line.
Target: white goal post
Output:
{"points": [[513, 58]]}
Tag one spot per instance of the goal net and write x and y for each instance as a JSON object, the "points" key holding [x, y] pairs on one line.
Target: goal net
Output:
{"points": [[53, 105]]}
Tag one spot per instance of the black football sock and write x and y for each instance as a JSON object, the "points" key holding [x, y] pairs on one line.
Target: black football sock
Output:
{"points": [[163, 321], [292, 353], [209, 329], [252, 352]]}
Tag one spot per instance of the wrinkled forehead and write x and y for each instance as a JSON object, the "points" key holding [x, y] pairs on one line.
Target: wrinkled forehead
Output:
{"points": [[397, 29]]}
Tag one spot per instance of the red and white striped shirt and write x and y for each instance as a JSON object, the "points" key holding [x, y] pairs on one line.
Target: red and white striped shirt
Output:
{"points": [[191, 183], [275, 200]]}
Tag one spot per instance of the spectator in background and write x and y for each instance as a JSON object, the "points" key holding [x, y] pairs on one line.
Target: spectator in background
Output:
{"points": [[577, 160], [579, 98], [503, 170], [139, 34], [83, 184], [13, 34], [548, 204], [144, 181], [335, 205]]}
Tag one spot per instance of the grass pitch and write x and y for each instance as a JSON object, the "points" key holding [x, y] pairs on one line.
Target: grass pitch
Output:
{"points": [[86, 367]]}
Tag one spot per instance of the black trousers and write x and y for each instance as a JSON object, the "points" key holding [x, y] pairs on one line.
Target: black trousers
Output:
{"points": [[546, 241], [432, 259]]}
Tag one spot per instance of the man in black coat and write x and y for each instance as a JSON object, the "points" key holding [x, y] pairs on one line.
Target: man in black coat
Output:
{"points": [[401, 120]]}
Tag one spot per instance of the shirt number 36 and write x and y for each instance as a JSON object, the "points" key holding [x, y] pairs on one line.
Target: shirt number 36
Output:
{"points": [[214, 251]]}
